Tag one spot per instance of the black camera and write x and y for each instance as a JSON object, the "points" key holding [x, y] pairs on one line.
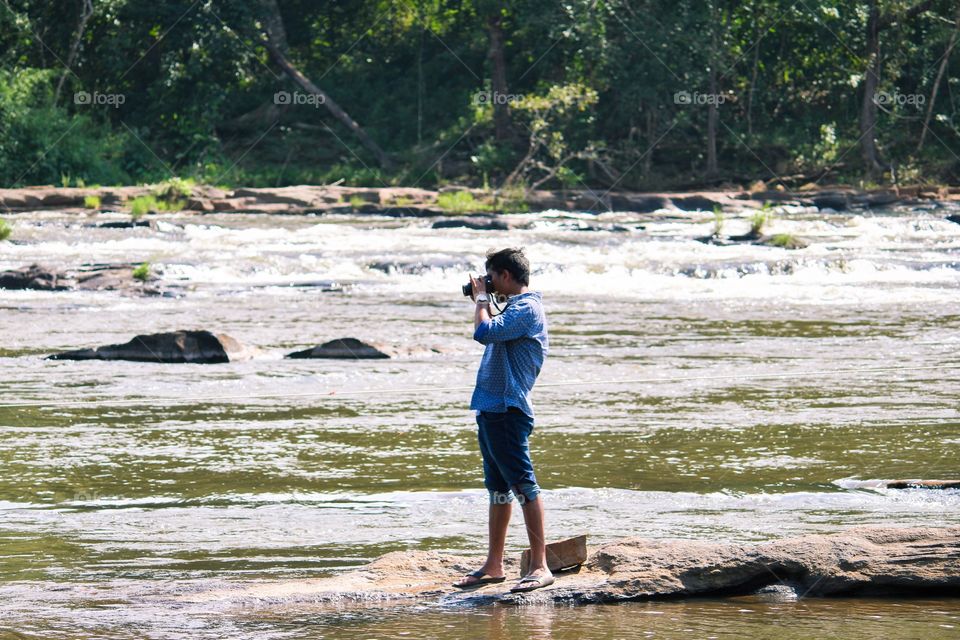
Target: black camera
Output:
{"points": [[468, 288]]}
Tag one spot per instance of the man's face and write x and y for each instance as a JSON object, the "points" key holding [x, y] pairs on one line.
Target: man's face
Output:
{"points": [[499, 280]]}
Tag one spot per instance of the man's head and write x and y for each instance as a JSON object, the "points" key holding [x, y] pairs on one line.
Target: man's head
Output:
{"points": [[509, 270]]}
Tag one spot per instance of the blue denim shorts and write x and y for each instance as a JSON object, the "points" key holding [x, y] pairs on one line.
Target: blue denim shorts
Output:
{"points": [[506, 455]]}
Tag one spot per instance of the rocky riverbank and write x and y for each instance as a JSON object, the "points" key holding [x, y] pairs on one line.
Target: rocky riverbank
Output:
{"points": [[862, 561], [406, 201]]}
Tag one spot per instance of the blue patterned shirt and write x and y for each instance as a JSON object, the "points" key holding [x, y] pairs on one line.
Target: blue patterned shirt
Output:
{"points": [[517, 345]]}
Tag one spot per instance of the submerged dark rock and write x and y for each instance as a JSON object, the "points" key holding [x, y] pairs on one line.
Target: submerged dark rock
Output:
{"points": [[782, 241], [861, 561], [418, 267], [124, 224], [479, 224], [353, 349], [695, 203], [342, 348], [923, 484], [837, 202], [198, 347], [637, 203]]}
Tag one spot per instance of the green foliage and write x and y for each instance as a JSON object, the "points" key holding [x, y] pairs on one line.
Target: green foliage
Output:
{"points": [[718, 220], [174, 189], [784, 240], [461, 202], [45, 144], [588, 106], [142, 273], [153, 203], [493, 159], [556, 121], [91, 202], [5, 229], [759, 220], [142, 205], [512, 199], [357, 201]]}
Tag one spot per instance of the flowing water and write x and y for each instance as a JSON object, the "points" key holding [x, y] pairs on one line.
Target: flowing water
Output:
{"points": [[726, 394]]}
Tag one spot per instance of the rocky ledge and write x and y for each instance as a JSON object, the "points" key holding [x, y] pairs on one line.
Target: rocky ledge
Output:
{"points": [[415, 202], [861, 561]]}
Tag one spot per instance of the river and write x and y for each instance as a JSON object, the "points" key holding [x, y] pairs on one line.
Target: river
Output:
{"points": [[726, 394]]}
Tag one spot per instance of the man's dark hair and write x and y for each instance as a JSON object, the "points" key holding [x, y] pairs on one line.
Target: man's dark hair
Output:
{"points": [[511, 260]]}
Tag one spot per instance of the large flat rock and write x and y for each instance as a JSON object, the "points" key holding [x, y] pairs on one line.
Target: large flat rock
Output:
{"points": [[176, 347], [406, 202], [862, 561]]}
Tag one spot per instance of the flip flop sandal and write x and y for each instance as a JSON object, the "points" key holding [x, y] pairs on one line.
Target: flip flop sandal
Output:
{"points": [[529, 583], [482, 579]]}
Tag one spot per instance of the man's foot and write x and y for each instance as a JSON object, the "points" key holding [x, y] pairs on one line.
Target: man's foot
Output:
{"points": [[480, 577], [533, 580]]}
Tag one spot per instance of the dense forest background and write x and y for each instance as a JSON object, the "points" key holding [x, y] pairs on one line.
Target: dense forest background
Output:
{"points": [[634, 94]]}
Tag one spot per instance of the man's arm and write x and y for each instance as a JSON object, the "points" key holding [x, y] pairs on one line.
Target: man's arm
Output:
{"points": [[513, 323], [482, 311], [482, 314]]}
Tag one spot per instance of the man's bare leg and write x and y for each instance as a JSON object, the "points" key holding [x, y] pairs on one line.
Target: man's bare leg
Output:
{"points": [[498, 521], [497, 529], [533, 517]]}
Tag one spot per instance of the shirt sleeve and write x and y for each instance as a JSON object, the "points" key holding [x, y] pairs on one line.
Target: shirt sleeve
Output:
{"points": [[515, 322]]}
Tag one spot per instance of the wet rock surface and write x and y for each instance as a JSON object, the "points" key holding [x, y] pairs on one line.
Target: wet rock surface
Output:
{"points": [[415, 202], [34, 277], [861, 561], [87, 277]]}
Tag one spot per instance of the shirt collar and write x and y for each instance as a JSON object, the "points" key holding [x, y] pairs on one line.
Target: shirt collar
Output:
{"points": [[517, 296]]}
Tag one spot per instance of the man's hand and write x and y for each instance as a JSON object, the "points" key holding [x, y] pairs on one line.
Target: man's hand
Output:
{"points": [[482, 311], [479, 286]]}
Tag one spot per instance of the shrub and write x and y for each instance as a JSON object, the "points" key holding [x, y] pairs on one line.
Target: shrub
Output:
{"points": [[758, 221], [784, 240], [174, 190], [45, 144], [461, 202], [142, 273], [717, 220], [91, 202], [145, 204], [5, 229]]}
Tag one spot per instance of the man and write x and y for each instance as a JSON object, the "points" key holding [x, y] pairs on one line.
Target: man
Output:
{"points": [[516, 345]]}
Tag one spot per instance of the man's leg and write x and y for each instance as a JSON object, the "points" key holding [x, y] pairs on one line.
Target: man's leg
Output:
{"points": [[525, 487], [501, 506], [533, 517], [497, 529]]}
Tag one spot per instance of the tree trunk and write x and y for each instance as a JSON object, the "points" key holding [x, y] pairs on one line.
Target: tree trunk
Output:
{"points": [[273, 23], [876, 23], [712, 116], [651, 140], [868, 109], [753, 80], [275, 44], [936, 83], [498, 79], [86, 11]]}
